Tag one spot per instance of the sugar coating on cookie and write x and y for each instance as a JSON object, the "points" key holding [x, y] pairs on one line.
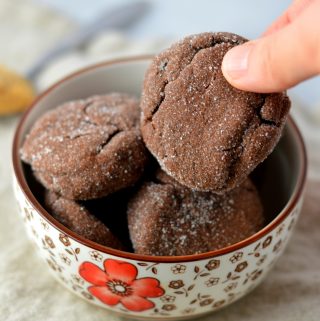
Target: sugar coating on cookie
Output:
{"points": [[78, 219], [166, 218], [205, 133], [89, 148]]}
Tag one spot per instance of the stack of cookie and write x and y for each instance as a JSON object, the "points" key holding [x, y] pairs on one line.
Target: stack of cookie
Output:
{"points": [[205, 135]]}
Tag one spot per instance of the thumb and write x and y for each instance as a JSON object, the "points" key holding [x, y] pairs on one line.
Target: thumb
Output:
{"points": [[280, 60]]}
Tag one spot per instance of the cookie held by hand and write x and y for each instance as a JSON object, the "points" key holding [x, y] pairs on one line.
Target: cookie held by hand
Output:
{"points": [[205, 133], [88, 148]]}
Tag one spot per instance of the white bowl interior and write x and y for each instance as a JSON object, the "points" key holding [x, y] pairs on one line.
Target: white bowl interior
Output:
{"points": [[276, 178]]}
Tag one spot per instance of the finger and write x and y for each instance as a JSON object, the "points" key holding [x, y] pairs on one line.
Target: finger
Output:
{"points": [[288, 16], [280, 60]]}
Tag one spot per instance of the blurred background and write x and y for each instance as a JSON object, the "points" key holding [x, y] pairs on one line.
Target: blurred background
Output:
{"points": [[28, 28]]}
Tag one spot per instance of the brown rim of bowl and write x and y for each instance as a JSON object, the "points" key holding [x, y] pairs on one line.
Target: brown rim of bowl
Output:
{"points": [[17, 166]]}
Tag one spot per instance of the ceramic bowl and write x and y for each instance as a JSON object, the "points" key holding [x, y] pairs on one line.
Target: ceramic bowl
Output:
{"points": [[160, 287]]}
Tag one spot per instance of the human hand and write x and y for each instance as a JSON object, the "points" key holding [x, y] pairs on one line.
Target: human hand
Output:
{"points": [[286, 54]]}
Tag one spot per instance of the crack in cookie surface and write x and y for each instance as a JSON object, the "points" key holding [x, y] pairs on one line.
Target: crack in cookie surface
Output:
{"points": [[212, 44], [92, 149]]}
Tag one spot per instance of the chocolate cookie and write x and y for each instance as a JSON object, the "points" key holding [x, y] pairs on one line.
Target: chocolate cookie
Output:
{"points": [[205, 133], [78, 219], [166, 218], [88, 148]]}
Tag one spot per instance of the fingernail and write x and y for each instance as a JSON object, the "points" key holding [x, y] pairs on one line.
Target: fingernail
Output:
{"points": [[235, 62]]}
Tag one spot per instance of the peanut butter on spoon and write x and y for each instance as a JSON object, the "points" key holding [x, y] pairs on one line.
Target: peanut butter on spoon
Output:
{"points": [[16, 93]]}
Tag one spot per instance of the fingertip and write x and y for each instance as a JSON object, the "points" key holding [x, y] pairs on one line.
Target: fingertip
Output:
{"points": [[235, 64]]}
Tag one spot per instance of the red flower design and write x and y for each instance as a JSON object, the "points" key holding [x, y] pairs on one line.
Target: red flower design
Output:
{"points": [[117, 283]]}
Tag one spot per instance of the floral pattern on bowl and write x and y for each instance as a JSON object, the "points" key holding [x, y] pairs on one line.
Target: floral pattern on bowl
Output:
{"points": [[154, 289]]}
